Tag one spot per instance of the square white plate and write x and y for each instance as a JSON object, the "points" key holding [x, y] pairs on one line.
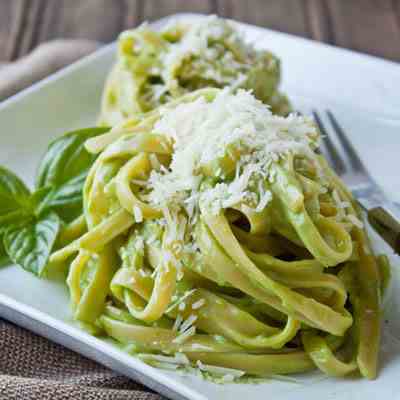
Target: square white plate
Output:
{"points": [[363, 92]]}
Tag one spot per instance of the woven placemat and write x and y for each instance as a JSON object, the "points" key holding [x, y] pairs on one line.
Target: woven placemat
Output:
{"points": [[34, 368]]}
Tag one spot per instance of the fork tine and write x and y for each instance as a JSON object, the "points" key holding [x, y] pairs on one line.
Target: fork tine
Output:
{"points": [[337, 162], [354, 159]]}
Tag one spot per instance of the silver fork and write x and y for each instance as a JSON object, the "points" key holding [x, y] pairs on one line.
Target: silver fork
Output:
{"points": [[382, 214]]}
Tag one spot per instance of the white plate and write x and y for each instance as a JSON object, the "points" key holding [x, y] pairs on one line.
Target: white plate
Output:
{"points": [[363, 92]]}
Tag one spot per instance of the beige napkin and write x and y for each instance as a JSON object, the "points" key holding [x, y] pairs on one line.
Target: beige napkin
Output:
{"points": [[44, 60], [31, 367]]}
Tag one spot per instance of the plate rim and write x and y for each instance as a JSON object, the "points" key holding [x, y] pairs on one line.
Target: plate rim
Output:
{"points": [[81, 342]]}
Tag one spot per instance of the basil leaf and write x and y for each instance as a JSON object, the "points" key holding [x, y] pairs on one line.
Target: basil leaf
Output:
{"points": [[14, 218], [66, 157], [38, 197], [15, 206], [4, 260], [69, 194], [63, 169], [14, 195], [29, 244]]}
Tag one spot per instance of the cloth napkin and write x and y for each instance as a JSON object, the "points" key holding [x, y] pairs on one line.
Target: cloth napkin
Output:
{"points": [[31, 367]]}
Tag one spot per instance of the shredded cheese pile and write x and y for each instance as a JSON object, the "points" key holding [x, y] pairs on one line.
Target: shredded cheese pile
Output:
{"points": [[236, 126]]}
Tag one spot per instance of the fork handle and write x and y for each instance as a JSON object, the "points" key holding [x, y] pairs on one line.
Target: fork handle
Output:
{"points": [[385, 220]]}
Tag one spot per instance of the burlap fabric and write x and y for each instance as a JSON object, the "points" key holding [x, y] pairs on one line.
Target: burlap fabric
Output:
{"points": [[31, 367]]}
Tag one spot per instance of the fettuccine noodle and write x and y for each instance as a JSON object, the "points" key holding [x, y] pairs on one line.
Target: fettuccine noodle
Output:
{"points": [[212, 229]]}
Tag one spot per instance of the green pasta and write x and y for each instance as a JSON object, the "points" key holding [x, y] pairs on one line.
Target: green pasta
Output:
{"points": [[214, 234], [154, 67]]}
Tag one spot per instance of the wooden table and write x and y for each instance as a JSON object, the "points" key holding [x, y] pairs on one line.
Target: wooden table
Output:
{"points": [[370, 26]]}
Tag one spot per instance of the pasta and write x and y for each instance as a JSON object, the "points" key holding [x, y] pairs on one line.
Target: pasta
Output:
{"points": [[153, 68], [214, 234]]}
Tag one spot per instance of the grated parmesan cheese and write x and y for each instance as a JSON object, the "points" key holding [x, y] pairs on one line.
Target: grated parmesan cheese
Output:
{"points": [[185, 335], [177, 359], [355, 221], [177, 323], [200, 347], [161, 365], [177, 301], [235, 373], [188, 323], [203, 132], [139, 182], [198, 304], [137, 213]]}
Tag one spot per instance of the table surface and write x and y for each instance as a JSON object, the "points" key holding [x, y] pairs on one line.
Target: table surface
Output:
{"points": [[370, 26]]}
